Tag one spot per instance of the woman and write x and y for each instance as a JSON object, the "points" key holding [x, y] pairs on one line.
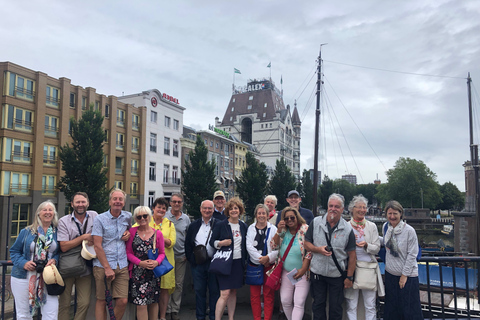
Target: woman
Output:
{"points": [[368, 245], [271, 202], [256, 240], [402, 299], [293, 296], [144, 288], [222, 235], [35, 248]]}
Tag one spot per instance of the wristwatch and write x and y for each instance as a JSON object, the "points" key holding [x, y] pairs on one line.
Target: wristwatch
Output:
{"points": [[350, 278]]}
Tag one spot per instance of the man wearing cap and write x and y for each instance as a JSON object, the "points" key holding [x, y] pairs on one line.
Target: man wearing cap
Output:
{"points": [[219, 202], [110, 231], [181, 222], [293, 199], [73, 229]]}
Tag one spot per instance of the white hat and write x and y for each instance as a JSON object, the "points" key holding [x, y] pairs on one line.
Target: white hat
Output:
{"points": [[52, 276], [88, 252]]}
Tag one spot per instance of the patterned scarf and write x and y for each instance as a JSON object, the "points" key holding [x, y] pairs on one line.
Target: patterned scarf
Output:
{"points": [[358, 225], [392, 238], [37, 296]]}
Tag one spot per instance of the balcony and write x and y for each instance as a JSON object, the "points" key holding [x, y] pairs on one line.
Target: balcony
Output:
{"points": [[175, 153], [171, 181], [51, 132], [50, 190], [21, 92], [52, 101], [20, 189], [119, 145], [22, 125], [49, 160], [153, 148], [19, 156], [120, 121], [166, 152], [135, 126]]}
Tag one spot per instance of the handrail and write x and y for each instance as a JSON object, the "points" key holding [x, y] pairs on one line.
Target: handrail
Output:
{"points": [[5, 264]]}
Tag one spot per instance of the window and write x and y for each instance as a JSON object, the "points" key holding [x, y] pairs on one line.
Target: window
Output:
{"points": [[151, 198], [233, 108], [270, 125], [20, 87], [261, 126], [152, 172], [175, 148], [20, 219], [231, 118], [70, 127], [17, 151], [153, 116], [153, 142], [167, 122], [17, 118], [120, 142], [166, 169], [135, 122], [53, 97], [119, 165], [121, 118], [135, 144], [119, 185], [211, 143], [72, 100], [249, 107], [176, 124], [15, 183], [133, 190], [265, 105], [51, 126], [97, 105], [166, 146], [49, 155], [84, 103], [106, 136], [233, 100], [216, 145], [48, 185], [221, 145], [250, 98], [175, 179], [134, 167], [227, 149], [105, 160], [107, 111], [264, 114]]}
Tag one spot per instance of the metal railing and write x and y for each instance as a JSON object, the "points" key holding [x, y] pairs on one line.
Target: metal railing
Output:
{"points": [[6, 295]]}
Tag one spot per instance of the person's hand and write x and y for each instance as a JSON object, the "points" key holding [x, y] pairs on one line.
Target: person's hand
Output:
{"points": [[323, 250], [168, 242], [299, 273], [29, 266], [88, 237], [265, 260], [110, 274], [362, 244], [51, 261], [126, 236], [225, 243], [281, 226], [347, 283], [403, 281]]}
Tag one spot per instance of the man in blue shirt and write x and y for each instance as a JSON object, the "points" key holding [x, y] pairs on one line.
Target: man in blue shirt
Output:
{"points": [[294, 200], [110, 231]]}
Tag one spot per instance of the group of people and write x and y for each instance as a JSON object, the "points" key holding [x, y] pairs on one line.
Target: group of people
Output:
{"points": [[320, 256]]}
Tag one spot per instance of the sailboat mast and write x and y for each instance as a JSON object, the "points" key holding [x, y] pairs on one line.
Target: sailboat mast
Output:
{"points": [[317, 132]]}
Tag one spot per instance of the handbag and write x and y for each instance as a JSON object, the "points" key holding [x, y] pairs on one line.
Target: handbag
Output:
{"points": [[200, 251], [222, 260], [164, 267], [254, 274], [274, 275], [365, 276], [71, 263]]}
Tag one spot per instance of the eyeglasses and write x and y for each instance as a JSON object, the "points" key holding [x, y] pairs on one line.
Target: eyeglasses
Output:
{"points": [[175, 201], [361, 208], [291, 218], [144, 216]]}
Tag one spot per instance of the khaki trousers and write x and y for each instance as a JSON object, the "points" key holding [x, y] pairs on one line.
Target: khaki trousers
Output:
{"points": [[176, 297], [83, 287]]}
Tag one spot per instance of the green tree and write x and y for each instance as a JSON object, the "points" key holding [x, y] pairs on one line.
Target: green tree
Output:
{"points": [[306, 190], [282, 181], [407, 181], [368, 190], [252, 184], [198, 178], [326, 189], [345, 188], [452, 198], [83, 161]]}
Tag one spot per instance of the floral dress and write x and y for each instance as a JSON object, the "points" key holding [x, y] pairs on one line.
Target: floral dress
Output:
{"points": [[144, 287]]}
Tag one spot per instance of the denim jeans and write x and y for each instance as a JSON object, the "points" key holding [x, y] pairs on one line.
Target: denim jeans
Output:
{"points": [[201, 280], [320, 286]]}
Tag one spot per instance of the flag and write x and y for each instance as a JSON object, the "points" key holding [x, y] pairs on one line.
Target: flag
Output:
{"points": [[269, 65], [235, 70]]}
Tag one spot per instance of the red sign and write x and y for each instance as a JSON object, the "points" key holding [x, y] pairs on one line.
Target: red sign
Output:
{"points": [[154, 101], [169, 98]]}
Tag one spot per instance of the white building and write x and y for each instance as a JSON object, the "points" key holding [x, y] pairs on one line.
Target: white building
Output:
{"points": [[164, 130]]}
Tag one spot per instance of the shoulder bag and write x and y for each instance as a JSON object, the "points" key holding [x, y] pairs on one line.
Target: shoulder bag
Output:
{"points": [[200, 251], [254, 275], [274, 275], [164, 267], [71, 263], [222, 260]]}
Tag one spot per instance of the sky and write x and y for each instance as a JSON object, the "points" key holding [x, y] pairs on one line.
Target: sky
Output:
{"points": [[394, 72]]}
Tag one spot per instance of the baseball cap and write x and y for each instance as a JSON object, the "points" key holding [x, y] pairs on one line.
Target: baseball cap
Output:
{"points": [[218, 194], [293, 192]]}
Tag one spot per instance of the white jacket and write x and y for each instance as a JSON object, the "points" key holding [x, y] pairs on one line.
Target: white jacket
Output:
{"points": [[253, 252]]}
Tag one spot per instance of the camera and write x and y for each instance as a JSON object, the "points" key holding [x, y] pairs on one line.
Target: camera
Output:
{"points": [[40, 265], [328, 249]]}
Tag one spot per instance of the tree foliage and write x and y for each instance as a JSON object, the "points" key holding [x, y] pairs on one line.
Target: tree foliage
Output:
{"points": [[452, 198], [326, 189], [369, 191], [406, 183], [198, 178], [82, 162], [305, 188], [252, 184], [345, 188], [281, 183]]}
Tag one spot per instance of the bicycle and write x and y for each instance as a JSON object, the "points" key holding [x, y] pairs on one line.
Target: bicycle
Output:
{"points": [[8, 293]]}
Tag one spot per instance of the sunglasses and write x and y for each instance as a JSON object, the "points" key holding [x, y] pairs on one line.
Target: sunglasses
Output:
{"points": [[291, 218], [175, 202], [145, 216]]}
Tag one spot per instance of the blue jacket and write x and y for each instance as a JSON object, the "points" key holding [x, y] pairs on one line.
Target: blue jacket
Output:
{"points": [[222, 231], [20, 252]]}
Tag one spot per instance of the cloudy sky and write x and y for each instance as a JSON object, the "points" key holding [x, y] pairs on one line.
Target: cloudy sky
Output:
{"points": [[394, 72]]}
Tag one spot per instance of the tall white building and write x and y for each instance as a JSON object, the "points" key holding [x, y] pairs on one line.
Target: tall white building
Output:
{"points": [[257, 115], [164, 129]]}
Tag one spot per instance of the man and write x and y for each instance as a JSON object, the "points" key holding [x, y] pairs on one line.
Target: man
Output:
{"points": [[110, 231], [325, 233], [73, 229], [293, 199], [181, 222], [219, 202], [199, 233]]}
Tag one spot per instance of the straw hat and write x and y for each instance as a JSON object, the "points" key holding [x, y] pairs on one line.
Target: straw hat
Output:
{"points": [[88, 252], [52, 276]]}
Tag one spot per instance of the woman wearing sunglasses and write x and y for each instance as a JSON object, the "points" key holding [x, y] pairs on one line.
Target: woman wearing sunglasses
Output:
{"points": [[293, 296], [144, 289]]}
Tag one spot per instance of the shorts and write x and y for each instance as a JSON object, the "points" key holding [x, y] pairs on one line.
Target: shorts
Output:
{"points": [[118, 287]]}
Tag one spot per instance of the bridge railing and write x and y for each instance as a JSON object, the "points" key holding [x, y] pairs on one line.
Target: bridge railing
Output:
{"points": [[6, 294]]}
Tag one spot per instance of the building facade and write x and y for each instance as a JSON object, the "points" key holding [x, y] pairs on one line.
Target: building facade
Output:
{"points": [[350, 178], [256, 114], [35, 121], [164, 125]]}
